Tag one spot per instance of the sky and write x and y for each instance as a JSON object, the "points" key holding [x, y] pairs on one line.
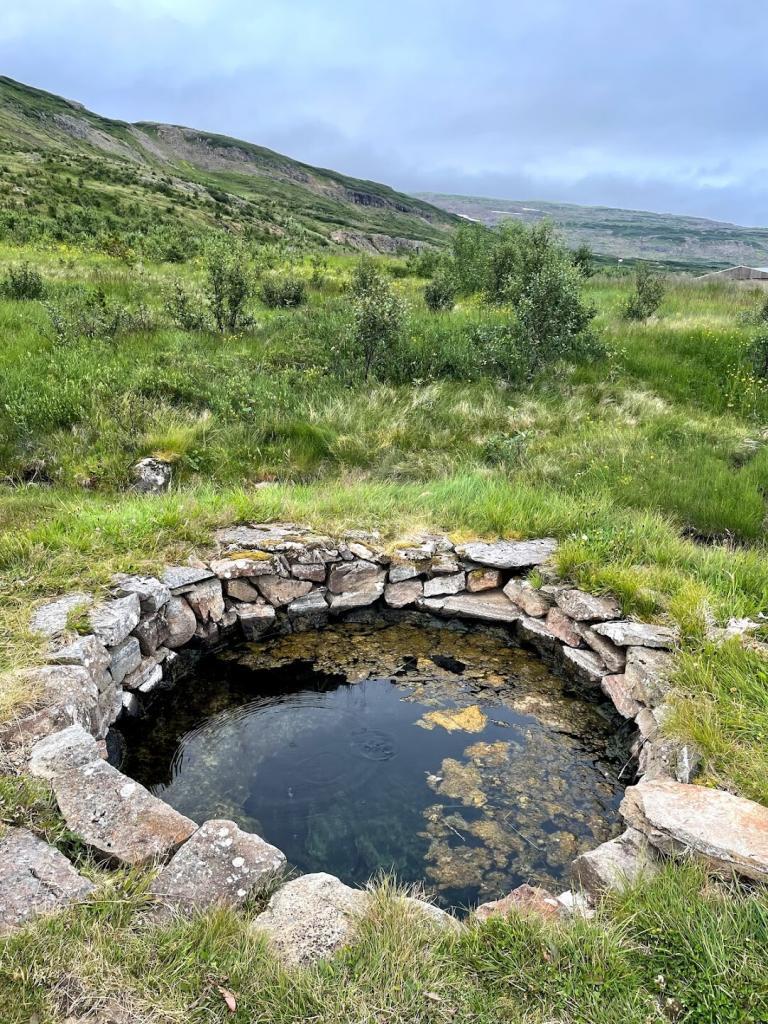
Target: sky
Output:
{"points": [[655, 105]]}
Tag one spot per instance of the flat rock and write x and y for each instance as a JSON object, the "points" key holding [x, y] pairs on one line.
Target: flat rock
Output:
{"points": [[206, 600], [525, 899], [219, 865], [614, 865], [61, 751], [50, 619], [35, 879], [488, 606], [255, 563], [483, 579], [314, 572], [532, 601], [535, 632], [113, 621], [584, 665], [63, 695], [449, 584], [583, 607], [180, 623], [178, 577], [648, 674], [255, 619], [85, 651], [562, 627], [627, 633], [281, 592], [242, 590], [117, 817], [615, 687], [614, 657], [400, 595], [125, 657], [402, 569], [353, 576], [368, 593], [728, 833], [509, 554], [309, 612], [312, 917], [152, 594]]}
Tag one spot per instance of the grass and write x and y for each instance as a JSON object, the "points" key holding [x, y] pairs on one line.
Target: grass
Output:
{"points": [[680, 949], [649, 464]]}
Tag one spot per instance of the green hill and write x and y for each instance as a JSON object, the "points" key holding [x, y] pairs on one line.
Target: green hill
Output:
{"points": [[68, 173], [688, 242]]}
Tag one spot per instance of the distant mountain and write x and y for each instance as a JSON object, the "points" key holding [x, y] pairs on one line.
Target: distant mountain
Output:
{"points": [[625, 234], [64, 165]]}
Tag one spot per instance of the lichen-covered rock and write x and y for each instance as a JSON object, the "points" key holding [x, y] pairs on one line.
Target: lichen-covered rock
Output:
{"points": [[152, 476], [312, 917], [313, 573], [509, 554], [35, 879], [117, 817], [615, 687], [152, 633], [113, 621], [525, 899], [402, 569], [219, 865], [86, 651], [354, 576], [439, 585], [585, 607], [728, 833], [562, 627], [627, 633], [146, 677], [400, 595], [614, 865], [281, 592], [180, 623], [255, 619], [532, 601], [125, 657], [648, 674], [61, 751], [152, 594], [63, 695], [483, 579], [50, 619], [206, 600]]}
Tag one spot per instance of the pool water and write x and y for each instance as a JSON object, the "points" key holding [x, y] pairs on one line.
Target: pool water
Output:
{"points": [[444, 756]]}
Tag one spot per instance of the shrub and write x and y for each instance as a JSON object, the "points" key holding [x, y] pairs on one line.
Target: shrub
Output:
{"points": [[378, 315], [22, 282], [283, 292], [424, 263], [758, 353], [440, 293], [647, 296], [229, 283], [471, 247], [185, 310], [91, 314], [583, 260]]}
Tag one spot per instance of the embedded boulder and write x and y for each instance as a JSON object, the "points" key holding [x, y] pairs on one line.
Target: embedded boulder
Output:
{"points": [[648, 674], [117, 817], [206, 599], [525, 899], [509, 554], [180, 623], [219, 865], [152, 476], [312, 917], [614, 865], [280, 592], [35, 879], [729, 833]]}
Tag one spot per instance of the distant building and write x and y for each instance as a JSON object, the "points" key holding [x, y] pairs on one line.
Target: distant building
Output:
{"points": [[737, 274]]}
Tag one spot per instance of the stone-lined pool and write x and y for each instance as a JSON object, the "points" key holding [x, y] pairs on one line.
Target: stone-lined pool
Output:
{"points": [[443, 754]]}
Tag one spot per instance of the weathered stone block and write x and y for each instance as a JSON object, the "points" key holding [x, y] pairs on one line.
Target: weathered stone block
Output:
{"points": [[281, 592], [61, 751], [615, 687], [152, 594], [614, 865], [113, 621], [530, 901], [50, 619], [483, 579], [626, 633], [125, 657], [354, 576], [648, 674], [532, 601], [206, 600], [439, 585], [400, 595], [562, 627], [509, 554], [585, 607], [255, 619], [180, 621], [242, 589]]}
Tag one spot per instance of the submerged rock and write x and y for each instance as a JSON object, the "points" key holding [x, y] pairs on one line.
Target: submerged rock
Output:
{"points": [[35, 879], [470, 719]]}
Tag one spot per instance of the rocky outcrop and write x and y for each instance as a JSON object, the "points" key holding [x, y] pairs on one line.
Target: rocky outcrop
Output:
{"points": [[219, 865], [728, 833], [35, 880], [312, 917], [152, 476]]}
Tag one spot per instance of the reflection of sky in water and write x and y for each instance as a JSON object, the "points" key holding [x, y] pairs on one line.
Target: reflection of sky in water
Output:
{"points": [[343, 779]]}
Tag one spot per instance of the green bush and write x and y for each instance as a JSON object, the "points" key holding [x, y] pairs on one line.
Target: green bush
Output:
{"points": [[22, 282], [647, 296], [440, 293], [185, 310], [378, 317], [758, 354], [283, 292], [583, 260], [229, 283], [93, 315]]}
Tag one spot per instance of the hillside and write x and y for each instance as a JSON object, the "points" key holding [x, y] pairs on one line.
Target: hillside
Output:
{"points": [[625, 234], [72, 173]]}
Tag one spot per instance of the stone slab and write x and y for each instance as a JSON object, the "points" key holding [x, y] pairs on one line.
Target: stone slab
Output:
{"points": [[50, 619], [509, 554], [152, 594], [627, 633], [615, 865], [585, 607], [61, 751], [113, 621], [487, 606], [178, 577]]}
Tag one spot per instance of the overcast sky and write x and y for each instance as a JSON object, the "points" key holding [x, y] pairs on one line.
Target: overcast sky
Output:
{"points": [[649, 104]]}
